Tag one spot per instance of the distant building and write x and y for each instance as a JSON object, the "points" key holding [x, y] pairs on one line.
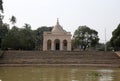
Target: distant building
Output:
{"points": [[57, 39]]}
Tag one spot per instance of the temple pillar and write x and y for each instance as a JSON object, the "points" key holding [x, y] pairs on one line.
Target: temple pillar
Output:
{"points": [[45, 46], [69, 46], [61, 45], [52, 46]]}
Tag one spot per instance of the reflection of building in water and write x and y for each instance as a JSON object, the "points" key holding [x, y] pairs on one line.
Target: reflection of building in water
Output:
{"points": [[57, 39]]}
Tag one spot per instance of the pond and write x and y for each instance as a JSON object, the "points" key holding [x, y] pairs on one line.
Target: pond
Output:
{"points": [[59, 74]]}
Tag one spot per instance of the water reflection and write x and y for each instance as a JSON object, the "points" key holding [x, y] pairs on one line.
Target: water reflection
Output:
{"points": [[58, 74], [74, 80], [106, 75]]}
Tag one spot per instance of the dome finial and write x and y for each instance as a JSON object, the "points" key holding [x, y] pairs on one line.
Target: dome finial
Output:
{"points": [[57, 21]]}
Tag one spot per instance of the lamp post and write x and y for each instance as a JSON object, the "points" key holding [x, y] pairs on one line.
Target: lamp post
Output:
{"points": [[105, 41]]}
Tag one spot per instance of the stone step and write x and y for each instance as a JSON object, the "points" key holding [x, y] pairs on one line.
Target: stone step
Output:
{"points": [[55, 61], [38, 57], [58, 56]]}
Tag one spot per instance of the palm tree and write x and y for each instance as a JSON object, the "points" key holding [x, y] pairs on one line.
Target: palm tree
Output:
{"points": [[27, 26], [1, 6], [1, 9], [13, 20]]}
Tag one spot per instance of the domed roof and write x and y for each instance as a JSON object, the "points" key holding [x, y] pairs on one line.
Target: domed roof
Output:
{"points": [[58, 28]]}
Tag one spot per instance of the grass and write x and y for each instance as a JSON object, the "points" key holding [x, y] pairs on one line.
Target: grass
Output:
{"points": [[95, 74]]}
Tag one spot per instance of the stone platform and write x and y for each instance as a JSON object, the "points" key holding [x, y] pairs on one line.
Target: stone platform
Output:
{"points": [[59, 58]]}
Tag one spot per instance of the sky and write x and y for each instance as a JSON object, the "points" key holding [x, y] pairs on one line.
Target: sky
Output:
{"points": [[96, 14]]}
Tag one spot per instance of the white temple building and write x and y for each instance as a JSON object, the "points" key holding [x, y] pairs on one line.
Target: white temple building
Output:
{"points": [[57, 39]]}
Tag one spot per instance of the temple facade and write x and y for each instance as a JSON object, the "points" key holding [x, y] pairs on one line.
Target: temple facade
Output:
{"points": [[57, 40]]}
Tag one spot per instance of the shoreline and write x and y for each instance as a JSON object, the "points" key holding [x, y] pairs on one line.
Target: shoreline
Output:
{"points": [[61, 65]]}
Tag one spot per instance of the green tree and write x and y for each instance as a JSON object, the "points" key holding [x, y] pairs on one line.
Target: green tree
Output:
{"points": [[39, 36], [4, 28], [1, 6], [12, 39], [24, 38], [13, 20], [1, 9], [1, 19], [27, 26], [84, 37], [19, 38], [27, 39], [115, 40], [108, 46]]}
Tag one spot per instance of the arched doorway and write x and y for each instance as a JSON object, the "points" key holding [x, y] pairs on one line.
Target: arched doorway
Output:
{"points": [[64, 44], [49, 45], [57, 44]]}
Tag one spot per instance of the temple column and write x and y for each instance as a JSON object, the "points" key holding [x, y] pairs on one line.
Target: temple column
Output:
{"points": [[45, 46], [61, 45], [69, 46], [52, 46]]}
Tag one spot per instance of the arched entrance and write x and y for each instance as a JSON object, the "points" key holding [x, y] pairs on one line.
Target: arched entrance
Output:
{"points": [[57, 44], [64, 44], [49, 45]]}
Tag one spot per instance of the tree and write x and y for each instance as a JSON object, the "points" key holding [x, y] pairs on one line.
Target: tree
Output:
{"points": [[84, 37], [4, 28], [13, 20], [1, 9], [12, 39], [19, 39], [39, 35], [1, 19], [27, 26], [1, 6], [115, 40], [27, 39], [23, 38]]}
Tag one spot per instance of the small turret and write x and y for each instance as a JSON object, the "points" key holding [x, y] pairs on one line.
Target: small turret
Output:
{"points": [[58, 28]]}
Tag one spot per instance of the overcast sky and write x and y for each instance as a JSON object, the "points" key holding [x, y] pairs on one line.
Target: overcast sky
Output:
{"points": [[96, 14]]}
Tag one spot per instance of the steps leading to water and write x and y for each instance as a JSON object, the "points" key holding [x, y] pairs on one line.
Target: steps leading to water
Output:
{"points": [[39, 57]]}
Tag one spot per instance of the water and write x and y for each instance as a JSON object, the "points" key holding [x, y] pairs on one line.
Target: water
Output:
{"points": [[59, 74]]}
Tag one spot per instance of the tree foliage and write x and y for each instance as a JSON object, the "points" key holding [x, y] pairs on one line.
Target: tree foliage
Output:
{"points": [[1, 6], [1, 9], [4, 28], [13, 20], [115, 40], [27, 40], [19, 39], [12, 39], [85, 37], [39, 35], [24, 38]]}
